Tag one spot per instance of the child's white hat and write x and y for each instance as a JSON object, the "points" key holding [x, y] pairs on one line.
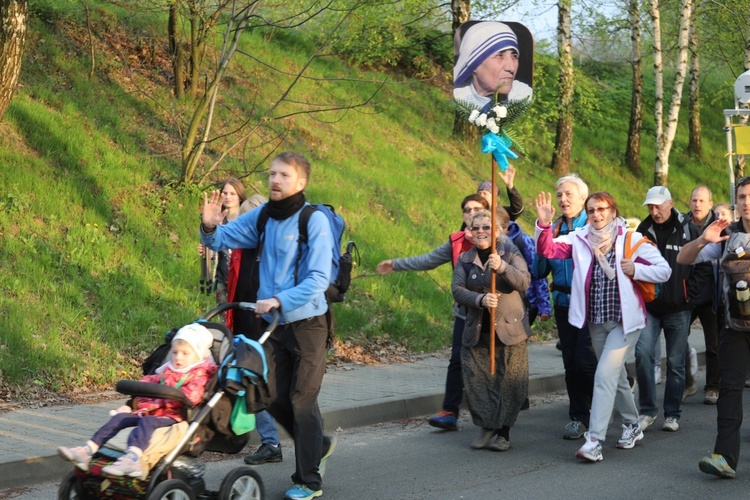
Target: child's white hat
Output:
{"points": [[199, 338]]}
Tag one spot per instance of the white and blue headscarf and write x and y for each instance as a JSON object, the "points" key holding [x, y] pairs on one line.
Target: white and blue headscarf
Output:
{"points": [[480, 42]]}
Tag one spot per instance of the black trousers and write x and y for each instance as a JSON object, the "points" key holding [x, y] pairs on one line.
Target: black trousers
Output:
{"points": [[734, 356], [710, 324], [296, 355], [580, 362]]}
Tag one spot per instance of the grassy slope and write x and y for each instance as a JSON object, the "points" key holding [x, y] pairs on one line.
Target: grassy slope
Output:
{"points": [[98, 250]]}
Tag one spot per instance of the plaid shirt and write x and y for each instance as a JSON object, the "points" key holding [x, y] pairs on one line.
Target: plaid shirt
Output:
{"points": [[604, 296]]}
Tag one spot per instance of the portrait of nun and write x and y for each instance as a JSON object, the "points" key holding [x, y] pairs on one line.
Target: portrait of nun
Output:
{"points": [[492, 57]]}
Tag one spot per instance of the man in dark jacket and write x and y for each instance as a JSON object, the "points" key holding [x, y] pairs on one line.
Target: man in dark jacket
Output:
{"points": [[670, 311], [705, 306]]}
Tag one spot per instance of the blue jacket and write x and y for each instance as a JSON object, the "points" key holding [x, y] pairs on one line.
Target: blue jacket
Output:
{"points": [[304, 299], [562, 269], [538, 291]]}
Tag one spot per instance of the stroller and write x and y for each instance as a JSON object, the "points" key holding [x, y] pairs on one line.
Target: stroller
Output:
{"points": [[179, 474]]}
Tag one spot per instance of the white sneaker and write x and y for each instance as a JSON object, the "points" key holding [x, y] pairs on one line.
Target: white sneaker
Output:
{"points": [[693, 361], [591, 450], [645, 421], [631, 434], [671, 424]]}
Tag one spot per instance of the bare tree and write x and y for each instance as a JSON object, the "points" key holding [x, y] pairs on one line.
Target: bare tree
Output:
{"points": [[633, 149], [694, 105], [564, 137], [13, 14], [665, 134], [200, 132]]}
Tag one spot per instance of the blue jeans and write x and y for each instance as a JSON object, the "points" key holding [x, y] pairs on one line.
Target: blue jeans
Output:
{"points": [[266, 428], [676, 328]]}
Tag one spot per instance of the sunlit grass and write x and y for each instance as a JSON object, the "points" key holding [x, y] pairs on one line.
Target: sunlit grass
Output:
{"points": [[97, 250]]}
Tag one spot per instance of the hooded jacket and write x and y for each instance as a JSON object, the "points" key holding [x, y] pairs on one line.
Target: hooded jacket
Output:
{"points": [[650, 266]]}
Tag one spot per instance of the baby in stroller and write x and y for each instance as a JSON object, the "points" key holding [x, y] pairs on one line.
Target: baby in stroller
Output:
{"points": [[189, 369]]}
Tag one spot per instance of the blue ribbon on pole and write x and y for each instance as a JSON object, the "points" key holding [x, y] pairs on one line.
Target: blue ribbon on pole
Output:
{"points": [[499, 146]]}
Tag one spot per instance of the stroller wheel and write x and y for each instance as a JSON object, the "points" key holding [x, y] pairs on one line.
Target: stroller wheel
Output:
{"points": [[70, 488], [242, 483], [172, 489]]}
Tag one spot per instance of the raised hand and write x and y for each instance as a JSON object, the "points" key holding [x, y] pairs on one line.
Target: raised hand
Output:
{"points": [[213, 215], [712, 234], [508, 175], [544, 208]]}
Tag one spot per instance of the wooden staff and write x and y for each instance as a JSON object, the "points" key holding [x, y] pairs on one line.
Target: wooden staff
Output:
{"points": [[493, 249]]}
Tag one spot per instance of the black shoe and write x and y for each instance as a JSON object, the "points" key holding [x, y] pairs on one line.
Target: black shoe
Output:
{"points": [[266, 454]]}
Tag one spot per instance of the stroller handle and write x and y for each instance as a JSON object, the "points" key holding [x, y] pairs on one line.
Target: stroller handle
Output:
{"points": [[246, 306], [149, 390]]}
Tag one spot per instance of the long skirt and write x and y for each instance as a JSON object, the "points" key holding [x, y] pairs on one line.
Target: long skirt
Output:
{"points": [[495, 400]]}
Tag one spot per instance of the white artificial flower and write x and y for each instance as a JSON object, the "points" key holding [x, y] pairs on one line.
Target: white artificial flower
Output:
{"points": [[494, 128], [482, 120], [474, 115], [501, 111], [491, 123]]}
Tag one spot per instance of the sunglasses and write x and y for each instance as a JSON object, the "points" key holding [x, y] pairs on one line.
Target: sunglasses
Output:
{"points": [[597, 210], [483, 228], [472, 210], [743, 181]]}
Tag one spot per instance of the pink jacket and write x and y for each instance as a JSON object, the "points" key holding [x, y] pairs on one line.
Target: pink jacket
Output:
{"points": [[193, 387], [650, 266]]}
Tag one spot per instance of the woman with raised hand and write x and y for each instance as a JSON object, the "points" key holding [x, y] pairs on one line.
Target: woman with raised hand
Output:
{"points": [[494, 401], [232, 197], [603, 296]]}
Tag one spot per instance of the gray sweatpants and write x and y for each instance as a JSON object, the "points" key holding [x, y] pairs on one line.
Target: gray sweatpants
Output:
{"points": [[611, 386]]}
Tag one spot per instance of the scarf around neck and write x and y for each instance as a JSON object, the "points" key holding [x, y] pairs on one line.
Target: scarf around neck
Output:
{"points": [[601, 242], [283, 209]]}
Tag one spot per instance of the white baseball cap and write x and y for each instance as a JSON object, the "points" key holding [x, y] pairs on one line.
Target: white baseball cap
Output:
{"points": [[657, 195]]}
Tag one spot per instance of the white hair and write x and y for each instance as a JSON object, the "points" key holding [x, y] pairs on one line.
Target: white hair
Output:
{"points": [[583, 189]]}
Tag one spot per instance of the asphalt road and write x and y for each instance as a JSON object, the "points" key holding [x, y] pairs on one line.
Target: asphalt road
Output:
{"points": [[410, 460]]}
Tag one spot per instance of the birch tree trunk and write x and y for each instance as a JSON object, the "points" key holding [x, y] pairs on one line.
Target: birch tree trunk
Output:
{"points": [[564, 136], [694, 106], [665, 133], [13, 14], [633, 149]]}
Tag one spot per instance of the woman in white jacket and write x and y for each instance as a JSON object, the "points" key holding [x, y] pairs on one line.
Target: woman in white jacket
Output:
{"points": [[603, 295]]}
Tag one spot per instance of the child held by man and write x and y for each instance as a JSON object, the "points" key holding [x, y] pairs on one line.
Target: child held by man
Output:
{"points": [[189, 369]]}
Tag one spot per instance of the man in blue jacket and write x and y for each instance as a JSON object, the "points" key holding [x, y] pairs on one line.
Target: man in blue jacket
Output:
{"points": [[295, 285], [579, 357]]}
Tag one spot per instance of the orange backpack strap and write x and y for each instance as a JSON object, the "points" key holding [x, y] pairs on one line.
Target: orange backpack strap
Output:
{"points": [[629, 251]]}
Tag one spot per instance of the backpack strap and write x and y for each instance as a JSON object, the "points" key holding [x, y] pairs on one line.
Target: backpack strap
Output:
{"points": [[628, 250], [304, 218]]}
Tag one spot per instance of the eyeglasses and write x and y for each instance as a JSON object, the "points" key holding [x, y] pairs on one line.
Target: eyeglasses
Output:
{"points": [[473, 210], [483, 228], [743, 181], [597, 210]]}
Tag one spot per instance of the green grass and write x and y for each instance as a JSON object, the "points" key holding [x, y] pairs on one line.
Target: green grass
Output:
{"points": [[98, 253]]}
